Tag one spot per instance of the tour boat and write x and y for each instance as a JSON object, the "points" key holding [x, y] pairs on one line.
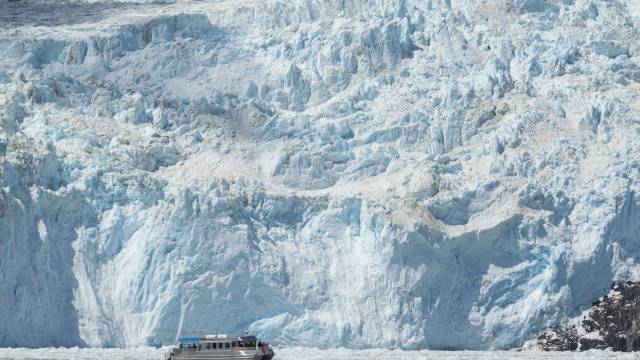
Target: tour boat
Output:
{"points": [[221, 347]]}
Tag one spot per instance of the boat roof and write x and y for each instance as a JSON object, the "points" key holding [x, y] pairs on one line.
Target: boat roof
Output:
{"points": [[189, 339], [247, 338]]}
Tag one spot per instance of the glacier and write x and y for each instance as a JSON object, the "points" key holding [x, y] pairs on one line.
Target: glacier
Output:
{"points": [[442, 174]]}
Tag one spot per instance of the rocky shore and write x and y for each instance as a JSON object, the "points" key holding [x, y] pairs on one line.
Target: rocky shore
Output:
{"points": [[613, 323]]}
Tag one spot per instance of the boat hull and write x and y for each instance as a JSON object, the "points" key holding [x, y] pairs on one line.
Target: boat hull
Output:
{"points": [[218, 357], [267, 354]]}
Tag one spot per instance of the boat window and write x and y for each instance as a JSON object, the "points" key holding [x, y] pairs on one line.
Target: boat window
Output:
{"points": [[208, 346], [234, 344], [226, 345]]}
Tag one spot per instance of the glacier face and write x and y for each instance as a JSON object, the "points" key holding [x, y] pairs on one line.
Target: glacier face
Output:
{"points": [[441, 174]]}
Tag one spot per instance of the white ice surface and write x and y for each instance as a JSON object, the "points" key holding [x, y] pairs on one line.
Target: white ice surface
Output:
{"points": [[299, 353]]}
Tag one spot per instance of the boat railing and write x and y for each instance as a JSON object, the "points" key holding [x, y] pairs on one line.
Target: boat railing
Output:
{"points": [[180, 351]]}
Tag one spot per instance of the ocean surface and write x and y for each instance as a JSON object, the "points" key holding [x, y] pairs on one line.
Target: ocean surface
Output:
{"points": [[307, 353]]}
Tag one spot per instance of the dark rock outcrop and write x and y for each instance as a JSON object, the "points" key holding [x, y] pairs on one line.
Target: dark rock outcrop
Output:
{"points": [[559, 339], [613, 323]]}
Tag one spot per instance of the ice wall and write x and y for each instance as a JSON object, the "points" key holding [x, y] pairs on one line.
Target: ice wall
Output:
{"points": [[441, 174]]}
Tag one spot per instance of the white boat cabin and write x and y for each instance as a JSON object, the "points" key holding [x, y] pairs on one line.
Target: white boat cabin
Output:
{"points": [[218, 342]]}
